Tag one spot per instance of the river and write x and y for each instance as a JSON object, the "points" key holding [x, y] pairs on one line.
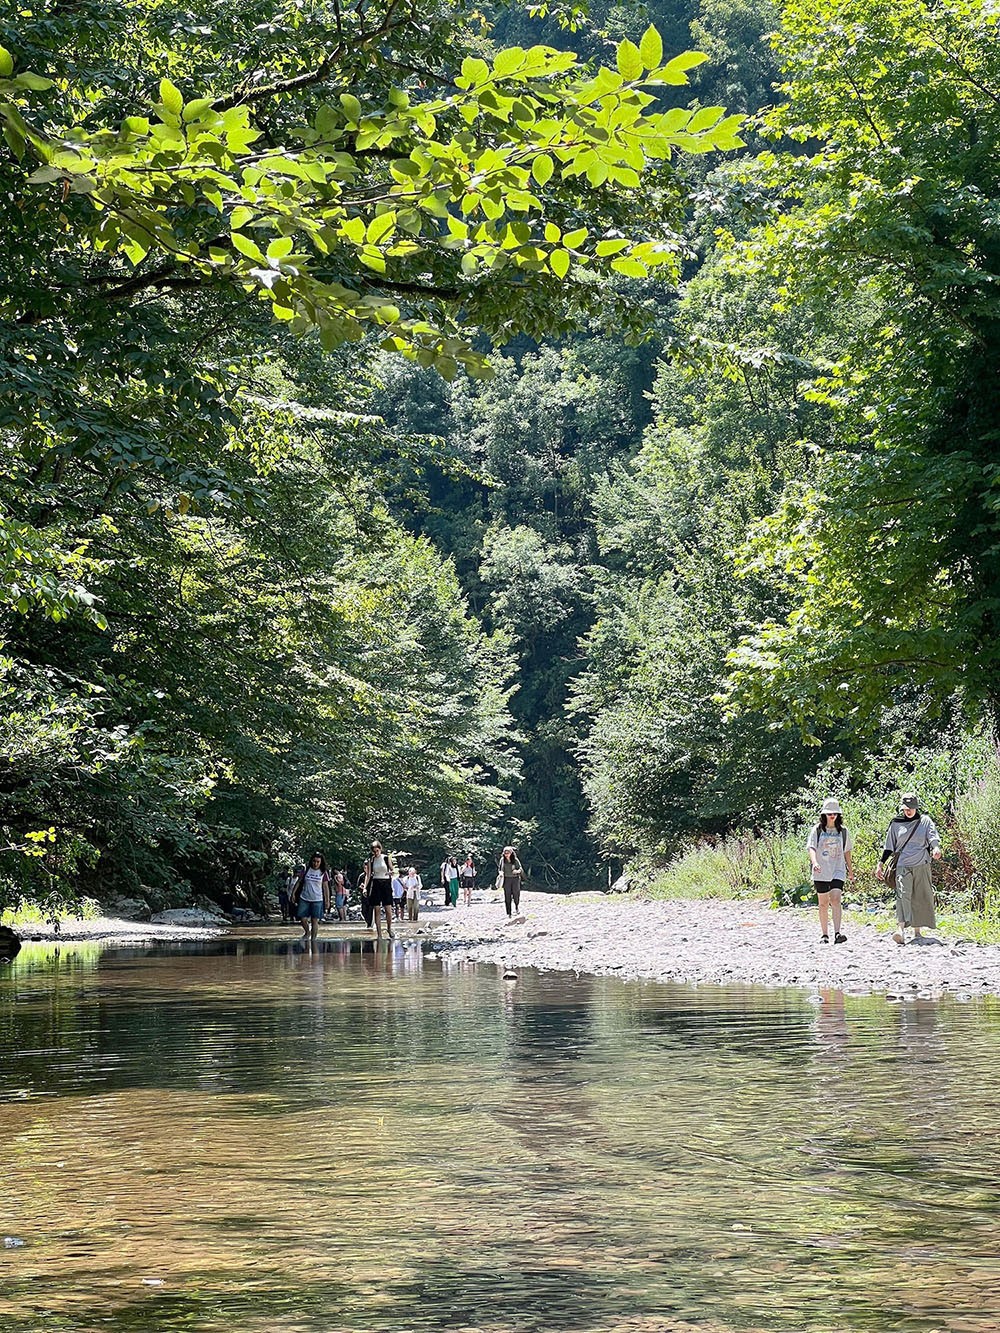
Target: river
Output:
{"points": [[241, 1136]]}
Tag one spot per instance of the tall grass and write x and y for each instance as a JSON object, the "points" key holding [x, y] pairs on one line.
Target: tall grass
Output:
{"points": [[960, 789]]}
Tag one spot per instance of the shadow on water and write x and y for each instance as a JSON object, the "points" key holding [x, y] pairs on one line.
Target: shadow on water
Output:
{"points": [[246, 1135]]}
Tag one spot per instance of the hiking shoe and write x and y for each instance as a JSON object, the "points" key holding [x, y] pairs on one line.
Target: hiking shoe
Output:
{"points": [[840, 939]]}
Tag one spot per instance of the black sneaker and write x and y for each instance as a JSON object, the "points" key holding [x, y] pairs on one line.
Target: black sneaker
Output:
{"points": [[824, 939], [840, 939]]}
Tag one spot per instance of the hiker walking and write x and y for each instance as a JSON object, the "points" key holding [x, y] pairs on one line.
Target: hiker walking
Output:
{"points": [[312, 896], [451, 878], [911, 843], [468, 874], [285, 891], [511, 874], [341, 889], [413, 884], [378, 877], [398, 896], [830, 846]]}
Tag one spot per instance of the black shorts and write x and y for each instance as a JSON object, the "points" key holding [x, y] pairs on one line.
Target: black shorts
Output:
{"points": [[827, 885], [380, 893]]}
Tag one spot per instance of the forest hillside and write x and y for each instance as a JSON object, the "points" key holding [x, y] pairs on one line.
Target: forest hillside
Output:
{"points": [[572, 429]]}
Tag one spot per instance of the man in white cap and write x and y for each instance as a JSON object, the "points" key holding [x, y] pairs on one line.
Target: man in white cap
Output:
{"points": [[830, 846]]}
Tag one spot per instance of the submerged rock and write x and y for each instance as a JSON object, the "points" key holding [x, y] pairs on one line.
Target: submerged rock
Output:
{"points": [[10, 944]]}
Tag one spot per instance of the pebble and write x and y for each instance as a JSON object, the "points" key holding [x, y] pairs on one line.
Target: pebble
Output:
{"points": [[702, 941]]}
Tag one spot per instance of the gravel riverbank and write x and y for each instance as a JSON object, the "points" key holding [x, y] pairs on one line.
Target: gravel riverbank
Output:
{"points": [[710, 942], [115, 930]]}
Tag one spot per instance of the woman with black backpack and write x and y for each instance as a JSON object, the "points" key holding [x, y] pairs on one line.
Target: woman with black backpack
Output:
{"points": [[830, 846]]}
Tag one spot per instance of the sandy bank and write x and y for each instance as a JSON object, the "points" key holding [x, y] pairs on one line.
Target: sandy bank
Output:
{"points": [[116, 931], [709, 942]]}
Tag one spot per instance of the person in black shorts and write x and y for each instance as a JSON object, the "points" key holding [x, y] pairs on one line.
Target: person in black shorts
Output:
{"points": [[377, 882], [830, 845]]}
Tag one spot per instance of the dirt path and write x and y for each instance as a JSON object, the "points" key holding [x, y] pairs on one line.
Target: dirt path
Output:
{"points": [[710, 942]]}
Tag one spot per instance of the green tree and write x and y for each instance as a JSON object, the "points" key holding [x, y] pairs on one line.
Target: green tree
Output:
{"points": [[887, 550]]}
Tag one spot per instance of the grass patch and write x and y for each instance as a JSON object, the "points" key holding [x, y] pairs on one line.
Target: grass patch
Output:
{"points": [[701, 873], [950, 925], [32, 914]]}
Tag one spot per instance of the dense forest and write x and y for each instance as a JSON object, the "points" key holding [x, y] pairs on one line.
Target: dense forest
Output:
{"points": [[477, 429]]}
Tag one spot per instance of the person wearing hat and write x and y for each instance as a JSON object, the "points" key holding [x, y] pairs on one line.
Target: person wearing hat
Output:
{"points": [[911, 843], [830, 846]]}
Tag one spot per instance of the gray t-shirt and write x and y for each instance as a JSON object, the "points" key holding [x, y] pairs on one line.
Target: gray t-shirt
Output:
{"points": [[831, 848], [312, 886], [919, 841]]}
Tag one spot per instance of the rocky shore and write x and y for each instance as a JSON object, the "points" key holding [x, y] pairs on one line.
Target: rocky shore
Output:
{"points": [[182, 924], [710, 942], [701, 942]]}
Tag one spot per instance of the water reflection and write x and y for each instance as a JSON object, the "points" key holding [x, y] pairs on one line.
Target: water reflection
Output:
{"points": [[249, 1134]]}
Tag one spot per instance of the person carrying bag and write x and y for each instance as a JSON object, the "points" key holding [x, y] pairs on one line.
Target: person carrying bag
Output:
{"points": [[911, 843]]}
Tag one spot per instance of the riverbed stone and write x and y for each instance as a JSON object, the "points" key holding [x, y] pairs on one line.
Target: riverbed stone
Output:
{"points": [[188, 916], [707, 941], [129, 909], [10, 944]]}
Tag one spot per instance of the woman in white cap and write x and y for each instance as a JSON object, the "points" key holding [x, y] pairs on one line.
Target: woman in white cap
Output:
{"points": [[830, 846], [911, 843]]}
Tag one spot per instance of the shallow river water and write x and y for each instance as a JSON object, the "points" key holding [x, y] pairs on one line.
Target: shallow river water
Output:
{"points": [[241, 1136]]}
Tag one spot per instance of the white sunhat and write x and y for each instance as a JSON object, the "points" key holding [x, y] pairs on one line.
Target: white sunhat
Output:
{"points": [[831, 807]]}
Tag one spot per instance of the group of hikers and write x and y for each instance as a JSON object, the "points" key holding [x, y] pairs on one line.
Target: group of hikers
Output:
{"points": [[911, 843], [390, 894], [310, 892]]}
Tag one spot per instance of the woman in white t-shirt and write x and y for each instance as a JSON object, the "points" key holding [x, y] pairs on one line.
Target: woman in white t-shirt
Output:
{"points": [[830, 846], [398, 897], [413, 884], [468, 873], [312, 896]]}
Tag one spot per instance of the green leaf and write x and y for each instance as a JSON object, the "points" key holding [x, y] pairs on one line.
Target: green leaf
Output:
{"points": [[239, 217], [6, 62], [651, 48], [474, 72], [34, 81], [705, 118], [542, 168], [171, 97], [629, 61], [15, 141], [380, 227], [247, 247], [574, 239], [509, 61], [559, 262], [675, 71], [352, 108], [43, 175], [196, 109], [631, 268]]}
